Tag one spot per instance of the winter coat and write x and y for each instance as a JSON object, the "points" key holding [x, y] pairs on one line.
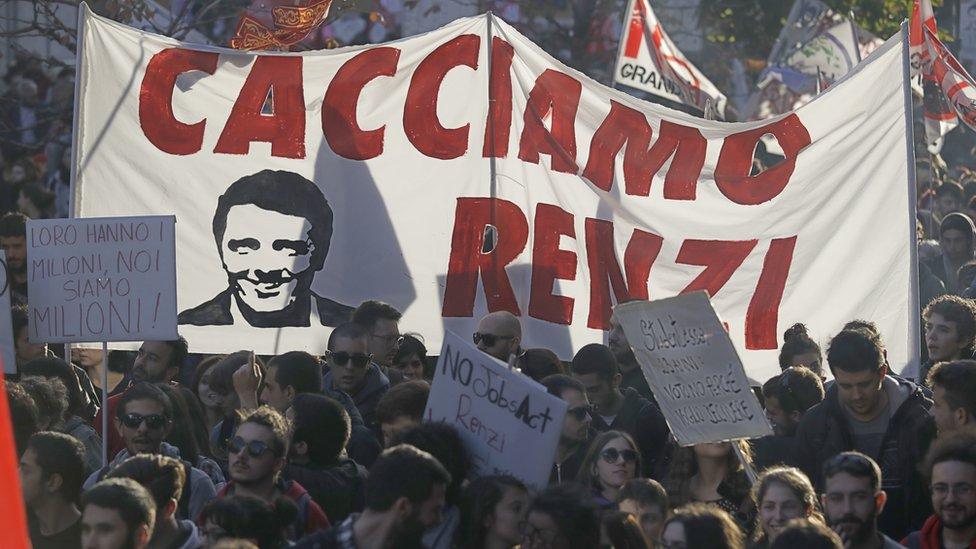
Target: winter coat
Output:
{"points": [[824, 432]]}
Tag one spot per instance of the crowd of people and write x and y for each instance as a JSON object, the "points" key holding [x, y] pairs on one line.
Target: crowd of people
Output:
{"points": [[298, 450], [328, 451]]}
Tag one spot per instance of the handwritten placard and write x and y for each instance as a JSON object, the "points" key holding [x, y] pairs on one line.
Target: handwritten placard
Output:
{"points": [[7, 350], [509, 423], [693, 369], [102, 279]]}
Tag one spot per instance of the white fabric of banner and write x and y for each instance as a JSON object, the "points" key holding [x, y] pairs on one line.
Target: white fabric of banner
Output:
{"points": [[598, 196]]}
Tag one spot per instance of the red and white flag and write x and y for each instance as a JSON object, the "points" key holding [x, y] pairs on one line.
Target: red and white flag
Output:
{"points": [[957, 86], [939, 116], [648, 60], [922, 17]]}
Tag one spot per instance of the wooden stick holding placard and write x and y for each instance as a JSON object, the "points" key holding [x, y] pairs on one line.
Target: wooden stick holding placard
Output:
{"points": [[746, 464], [104, 401]]}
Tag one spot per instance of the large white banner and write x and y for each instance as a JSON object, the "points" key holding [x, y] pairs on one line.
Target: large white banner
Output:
{"points": [[693, 369], [306, 183], [499, 413]]}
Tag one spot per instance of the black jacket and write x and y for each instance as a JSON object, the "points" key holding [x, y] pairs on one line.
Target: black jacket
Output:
{"points": [[568, 469], [824, 433], [641, 419], [339, 490]]}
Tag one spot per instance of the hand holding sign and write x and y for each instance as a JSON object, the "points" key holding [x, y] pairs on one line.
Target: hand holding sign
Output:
{"points": [[693, 369], [498, 411]]}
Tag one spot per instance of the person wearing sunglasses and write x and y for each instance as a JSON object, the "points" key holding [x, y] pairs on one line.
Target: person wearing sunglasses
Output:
{"points": [[611, 460], [577, 432], [352, 370], [144, 417], [499, 335], [620, 409], [257, 454]]}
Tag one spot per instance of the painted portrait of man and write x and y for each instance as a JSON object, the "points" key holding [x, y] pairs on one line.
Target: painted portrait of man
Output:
{"points": [[272, 230]]}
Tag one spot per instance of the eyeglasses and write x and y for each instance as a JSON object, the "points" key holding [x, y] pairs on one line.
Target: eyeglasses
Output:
{"points": [[488, 339], [580, 413], [153, 421], [611, 455], [960, 490], [358, 360], [255, 448], [537, 537]]}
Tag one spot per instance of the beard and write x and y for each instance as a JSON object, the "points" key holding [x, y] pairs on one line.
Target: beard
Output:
{"points": [[862, 529], [624, 354], [967, 519], [409, 534]]}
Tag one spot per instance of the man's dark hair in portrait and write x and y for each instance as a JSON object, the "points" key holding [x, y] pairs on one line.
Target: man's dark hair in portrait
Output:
{"points": [[272, 230]]}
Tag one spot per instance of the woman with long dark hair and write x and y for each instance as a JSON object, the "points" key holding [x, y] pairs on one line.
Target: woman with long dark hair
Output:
{"points": [[701, 526], [712, 473], [492, 511]]}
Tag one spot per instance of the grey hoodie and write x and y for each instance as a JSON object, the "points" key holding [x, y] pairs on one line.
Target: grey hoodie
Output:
{"points": [[201, 487]]}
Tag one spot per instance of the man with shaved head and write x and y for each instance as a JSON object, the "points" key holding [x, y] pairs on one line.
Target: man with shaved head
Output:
{"points": [[499, 335]]}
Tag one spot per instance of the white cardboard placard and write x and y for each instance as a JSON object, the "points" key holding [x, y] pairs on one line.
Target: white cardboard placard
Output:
{"points": [[693, 369], [509, 423], [102, 279]]}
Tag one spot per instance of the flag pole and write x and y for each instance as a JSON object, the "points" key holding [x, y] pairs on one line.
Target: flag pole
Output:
{"points": [[914, 356], [104, 404], [857, 43]]}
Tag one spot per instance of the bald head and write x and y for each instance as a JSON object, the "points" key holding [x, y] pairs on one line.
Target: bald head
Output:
{"points": [[499, 335]]}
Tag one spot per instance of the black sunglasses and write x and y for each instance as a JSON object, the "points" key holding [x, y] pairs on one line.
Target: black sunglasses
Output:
{"points": [[358, 360], [255, 448], [611, 455], [488, 339], [579, 413], [153, 421]]}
